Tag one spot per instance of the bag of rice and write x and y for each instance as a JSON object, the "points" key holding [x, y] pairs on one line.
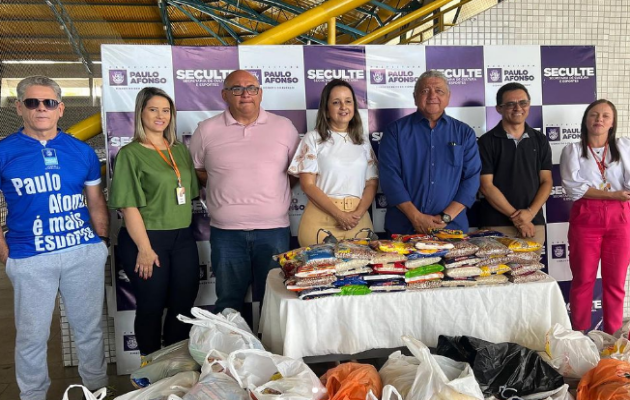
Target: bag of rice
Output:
{"points": [[427, 277], [390, 268], [388, 286], [491, 280], [519, 245], [355, 271], [346, 265], [424, 285], [493, 260], [425, 270], [461, 261], [307, 271], [318, 293], [461, 248], [531, 277], [421, 262], [494, 270], [296, 285], [426, 253], [433, 245], [324, 254], [349, 280], [462, 272], [524, 258], [384, 258], [354, 290], [348, 250], [523, 269], [458, 283], [489, 247]]}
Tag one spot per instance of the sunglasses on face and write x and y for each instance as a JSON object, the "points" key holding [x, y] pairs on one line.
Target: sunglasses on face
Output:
{"points": [[32, 104]]}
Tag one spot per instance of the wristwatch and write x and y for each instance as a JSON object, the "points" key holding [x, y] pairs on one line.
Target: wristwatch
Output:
{"points": [[446, 218]]}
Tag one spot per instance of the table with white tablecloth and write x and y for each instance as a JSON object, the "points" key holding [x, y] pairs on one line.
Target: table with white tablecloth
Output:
{"points": [[518, 313]]}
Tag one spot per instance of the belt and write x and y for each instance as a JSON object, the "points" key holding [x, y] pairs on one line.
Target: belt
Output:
{"points": [[347, 203]]}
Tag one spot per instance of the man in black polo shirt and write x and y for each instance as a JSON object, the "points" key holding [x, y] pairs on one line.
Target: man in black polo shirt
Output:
{"points": [[515, 169]]}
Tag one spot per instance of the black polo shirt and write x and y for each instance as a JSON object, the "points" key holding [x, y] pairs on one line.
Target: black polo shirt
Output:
{"points": [[515, 170]]}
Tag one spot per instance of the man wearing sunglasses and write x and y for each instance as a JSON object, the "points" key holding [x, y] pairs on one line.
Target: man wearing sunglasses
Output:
{"points": [[516, 169], [56, 213], [242, 156]]}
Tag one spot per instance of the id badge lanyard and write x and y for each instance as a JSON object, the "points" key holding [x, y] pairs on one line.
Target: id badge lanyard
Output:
{"points": [[601, 165], [180, 191]]}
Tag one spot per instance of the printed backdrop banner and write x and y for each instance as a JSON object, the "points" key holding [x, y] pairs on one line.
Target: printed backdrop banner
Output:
{"points": [[561, 81]]}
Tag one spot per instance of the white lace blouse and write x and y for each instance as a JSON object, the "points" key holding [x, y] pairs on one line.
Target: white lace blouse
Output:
{"points": [[342, 167]]}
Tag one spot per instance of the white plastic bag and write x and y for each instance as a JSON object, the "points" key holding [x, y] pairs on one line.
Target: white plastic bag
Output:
{"points": [[572, 353], [440, 378], [399, 371], [265, 375], [216, 386], [87, 395], [178, 385], [389, 393], [562, 393], [164, 363], [225, 332]]}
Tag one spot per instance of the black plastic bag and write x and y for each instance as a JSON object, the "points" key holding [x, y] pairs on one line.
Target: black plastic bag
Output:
{"points": [[502, 369]]}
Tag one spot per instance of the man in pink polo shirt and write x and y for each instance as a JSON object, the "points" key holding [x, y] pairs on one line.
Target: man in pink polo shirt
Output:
{"points": [[242, 156]]}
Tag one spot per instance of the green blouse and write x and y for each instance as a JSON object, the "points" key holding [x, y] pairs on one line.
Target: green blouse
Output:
{"points": [[144, 180]]}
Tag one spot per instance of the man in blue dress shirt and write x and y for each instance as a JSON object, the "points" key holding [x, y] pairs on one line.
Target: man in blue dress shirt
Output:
{"points": [[429, 164]]}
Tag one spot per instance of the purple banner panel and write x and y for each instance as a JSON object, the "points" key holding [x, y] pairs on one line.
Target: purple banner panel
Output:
{"points": [[199, 73], [298, 117], [568, 74], [119, 133], [323, 64], [597, 314], [534, 119], [379, 119], [558, 204], [463, 66]]}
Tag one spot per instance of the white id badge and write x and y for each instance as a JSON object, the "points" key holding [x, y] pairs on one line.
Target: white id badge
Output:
{"points": [[181, 195]]}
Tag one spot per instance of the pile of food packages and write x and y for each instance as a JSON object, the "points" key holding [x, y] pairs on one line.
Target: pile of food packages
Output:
{"points": [[445, 258]]}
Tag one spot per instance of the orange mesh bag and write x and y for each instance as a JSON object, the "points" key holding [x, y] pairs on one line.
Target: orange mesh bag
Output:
{"points": [[352, 381], [610, 380]]}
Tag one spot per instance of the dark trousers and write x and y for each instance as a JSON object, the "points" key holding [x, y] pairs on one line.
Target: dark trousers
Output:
{"points": [[173, 286], [240, 258]]}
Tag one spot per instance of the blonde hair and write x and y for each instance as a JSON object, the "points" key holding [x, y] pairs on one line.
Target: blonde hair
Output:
{"points": [[143, 97]]}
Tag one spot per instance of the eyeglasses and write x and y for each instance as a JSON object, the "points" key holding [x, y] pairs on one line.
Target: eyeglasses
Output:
{"points": [[512, 104], [239, 90], [32, 104]]}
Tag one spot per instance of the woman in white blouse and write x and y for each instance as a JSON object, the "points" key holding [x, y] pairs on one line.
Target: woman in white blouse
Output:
{"points": [[596, 175], [337, 168]]}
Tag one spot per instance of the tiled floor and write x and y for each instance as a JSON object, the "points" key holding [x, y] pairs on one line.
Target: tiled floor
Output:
{"points": [[61, 377]]}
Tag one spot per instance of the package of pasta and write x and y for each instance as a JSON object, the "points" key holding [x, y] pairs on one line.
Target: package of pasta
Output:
{"points": [[414, 237], [356, 271], [309, 271], [460, 261], [425, 270], [524, 258], [421, 262], [493, 260], [494, 270], [290, 256], [424, 285], [427, 277], [491, 280], [489, 247], [462, 272], [458, 283], [388, 286], [442, 233], [524, 269], [354, 290], [297, 285], [461, 248], [531, 277], [384, 258], [485, 233], [346, 265], [390, 246], [321, 254], [426, 253], [519, 245], [433, 245], [389, 268], [317, 293], [349, 250], [349, 280]]}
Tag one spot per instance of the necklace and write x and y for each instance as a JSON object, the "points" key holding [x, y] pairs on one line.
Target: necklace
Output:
{"points": [[344, 136]]}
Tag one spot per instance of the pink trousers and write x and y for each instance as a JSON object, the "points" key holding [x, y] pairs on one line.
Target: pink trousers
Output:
{"points": [[598, 230]]}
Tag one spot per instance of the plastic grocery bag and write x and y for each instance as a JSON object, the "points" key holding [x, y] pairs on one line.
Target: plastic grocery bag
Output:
{"points": [[609, 380], [178, 385], [270, 376], [224, 332], [389, 393], [502, 369], [216, 386], [399, 371], [352, 381], [440, 378], [87, 395], [572, 353], [163, 363], [562, 393]]}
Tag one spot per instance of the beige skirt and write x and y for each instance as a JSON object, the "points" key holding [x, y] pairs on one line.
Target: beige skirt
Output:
{"points": [[315, 219]]}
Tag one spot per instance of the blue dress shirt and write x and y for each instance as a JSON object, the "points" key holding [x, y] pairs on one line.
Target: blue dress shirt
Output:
{"points": [[429, 167]]}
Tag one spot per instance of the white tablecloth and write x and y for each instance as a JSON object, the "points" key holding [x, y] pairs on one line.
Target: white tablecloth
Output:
{"points": [[518, 313]]}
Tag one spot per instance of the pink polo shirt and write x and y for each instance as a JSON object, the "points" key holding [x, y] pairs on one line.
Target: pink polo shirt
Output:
{"points": [[248, 186]]}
